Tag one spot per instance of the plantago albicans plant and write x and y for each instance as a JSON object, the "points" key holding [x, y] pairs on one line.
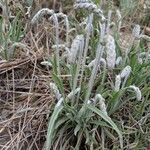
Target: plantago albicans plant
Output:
{"points": [[95, 87]]}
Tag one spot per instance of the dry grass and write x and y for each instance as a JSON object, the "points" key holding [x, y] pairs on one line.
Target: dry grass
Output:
{"points": [[25, 102], [25, 97]]}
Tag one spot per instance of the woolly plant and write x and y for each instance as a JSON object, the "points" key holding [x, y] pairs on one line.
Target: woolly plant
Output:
{"points": [[98, 76]]}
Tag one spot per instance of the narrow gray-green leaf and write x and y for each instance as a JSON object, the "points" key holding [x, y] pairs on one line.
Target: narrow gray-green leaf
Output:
{"points": [[51, 126], [77, 128], [58, 82], [109, 120]]}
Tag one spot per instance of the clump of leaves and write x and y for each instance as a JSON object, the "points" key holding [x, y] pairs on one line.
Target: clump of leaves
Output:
{"points": [[95, 90], [11, 31]]}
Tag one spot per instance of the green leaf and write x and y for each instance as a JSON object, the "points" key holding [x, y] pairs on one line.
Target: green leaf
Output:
{"points": [[15, 31], [60, 122], [108, 133], [54, 65], [73, 69], [100, 123], [109, 120], [51, 126], [115, 101], [87, 136], [58, 82], [77, 128]]}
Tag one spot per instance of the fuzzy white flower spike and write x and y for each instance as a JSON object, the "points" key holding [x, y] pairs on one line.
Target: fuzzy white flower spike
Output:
{"points": [[40, 14], [117, 83], [118, 61], [126, 72], [75, 48], [110, 52], [136, 31], [101, 103], [137, 92], [55, 90]]}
